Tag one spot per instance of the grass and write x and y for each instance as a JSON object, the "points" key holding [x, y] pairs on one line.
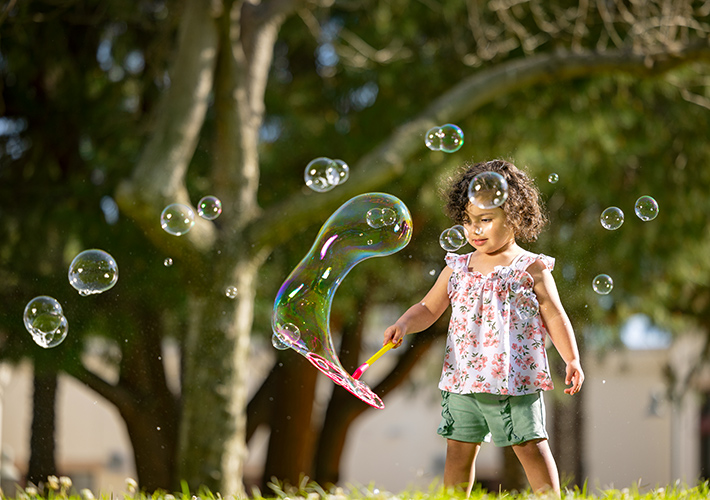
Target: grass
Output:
{"points": [[61, 489]]}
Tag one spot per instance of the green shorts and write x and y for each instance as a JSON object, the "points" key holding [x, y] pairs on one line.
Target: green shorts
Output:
{"points": [[474, 418]]}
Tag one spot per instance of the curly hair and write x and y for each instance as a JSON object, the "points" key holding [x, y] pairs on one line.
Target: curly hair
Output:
{"points": [[524, 208]]}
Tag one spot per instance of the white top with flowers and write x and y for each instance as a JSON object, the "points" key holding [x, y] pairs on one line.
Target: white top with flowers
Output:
{"points": [[496, 341]]}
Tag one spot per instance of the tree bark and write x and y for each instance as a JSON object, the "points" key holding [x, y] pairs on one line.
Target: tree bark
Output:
{"points": [[42, 439]]}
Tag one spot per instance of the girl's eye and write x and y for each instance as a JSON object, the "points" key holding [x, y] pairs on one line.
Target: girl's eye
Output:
{"points": [[485, 220]]}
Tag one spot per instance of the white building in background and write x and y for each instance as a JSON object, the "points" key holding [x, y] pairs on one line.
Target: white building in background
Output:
{"points": [[632, 433]]}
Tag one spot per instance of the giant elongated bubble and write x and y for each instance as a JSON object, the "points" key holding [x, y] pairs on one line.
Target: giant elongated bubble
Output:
{"points": [[304, 300]]}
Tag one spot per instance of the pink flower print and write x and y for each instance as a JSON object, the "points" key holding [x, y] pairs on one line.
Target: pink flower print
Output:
{"points": [[498, 372], [478, 362], [480, 386], [543, 381]]}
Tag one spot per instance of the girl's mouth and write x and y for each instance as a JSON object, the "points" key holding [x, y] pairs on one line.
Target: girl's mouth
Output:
{"points": [[479, 242]]}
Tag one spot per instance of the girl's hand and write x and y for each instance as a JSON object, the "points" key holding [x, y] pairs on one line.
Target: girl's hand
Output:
{"points": [[393, 334], [574, 376]]}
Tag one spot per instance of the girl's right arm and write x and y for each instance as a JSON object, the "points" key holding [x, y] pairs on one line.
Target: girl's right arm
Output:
{"points": [[423, 314]]}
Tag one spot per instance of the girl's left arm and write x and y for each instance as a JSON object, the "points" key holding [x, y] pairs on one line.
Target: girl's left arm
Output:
{"points": [[558, 324]]}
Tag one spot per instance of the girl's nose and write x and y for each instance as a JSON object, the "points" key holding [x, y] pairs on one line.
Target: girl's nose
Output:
{"points": [[478, 231]]}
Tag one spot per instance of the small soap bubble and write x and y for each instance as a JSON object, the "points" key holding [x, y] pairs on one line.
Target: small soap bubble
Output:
{"points": [[602, 284], [321, 174], [168, 262], [93, 271], [453, 238], [209, 207], [646, 208], [447, 138], [49, 330], [40, 306], [177, 219], [612, 218], [553, 178], [488, 190], [338, 173], [381, 217], [231, 292], [278, 343]]}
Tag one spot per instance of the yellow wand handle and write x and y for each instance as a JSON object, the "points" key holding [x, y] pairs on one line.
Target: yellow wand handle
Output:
{"points": [[379, 353]]}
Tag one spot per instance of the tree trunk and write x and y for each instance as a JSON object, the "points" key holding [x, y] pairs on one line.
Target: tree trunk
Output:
{"points": [[42, 443], [290, 451]]}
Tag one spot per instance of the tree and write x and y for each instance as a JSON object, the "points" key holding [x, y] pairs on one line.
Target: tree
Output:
{"points": [[216, 100]]}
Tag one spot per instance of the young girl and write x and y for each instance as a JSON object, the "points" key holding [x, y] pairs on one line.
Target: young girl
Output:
{"points": [[504, 302]]}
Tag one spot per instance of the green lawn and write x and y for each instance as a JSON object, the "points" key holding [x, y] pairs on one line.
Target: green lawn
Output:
{"points": [[62, 489]]}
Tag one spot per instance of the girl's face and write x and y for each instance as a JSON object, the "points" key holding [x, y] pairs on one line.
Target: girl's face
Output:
{"points": [[487, 230]]}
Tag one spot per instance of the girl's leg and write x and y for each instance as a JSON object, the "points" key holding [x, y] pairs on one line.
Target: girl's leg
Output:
{"points": [[539, 465], [460, 466]]}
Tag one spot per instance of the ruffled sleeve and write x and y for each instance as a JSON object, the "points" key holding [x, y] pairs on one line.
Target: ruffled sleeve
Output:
{"points": [[456, 261], [527, 260]]}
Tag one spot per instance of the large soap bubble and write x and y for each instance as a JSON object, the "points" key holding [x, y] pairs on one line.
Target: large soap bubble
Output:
{"points": [[488, 190], [602, 284], [301, 315], [93, 271], [44, 319]]}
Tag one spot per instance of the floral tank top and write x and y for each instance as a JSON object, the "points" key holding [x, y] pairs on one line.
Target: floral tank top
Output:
{"points": [[496, 339]]}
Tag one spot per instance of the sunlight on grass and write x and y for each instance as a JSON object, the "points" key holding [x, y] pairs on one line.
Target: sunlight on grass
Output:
{"points": [[60, 488]]}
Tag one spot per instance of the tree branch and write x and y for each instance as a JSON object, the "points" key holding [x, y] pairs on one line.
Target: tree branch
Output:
{"points": [[120, 397], [387, 161], [159, 176]]}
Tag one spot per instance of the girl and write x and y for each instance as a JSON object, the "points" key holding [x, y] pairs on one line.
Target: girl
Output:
{"points": [[504, 302]]}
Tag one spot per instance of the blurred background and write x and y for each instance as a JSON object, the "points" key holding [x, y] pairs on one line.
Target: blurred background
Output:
{"points": [[111, 110]]}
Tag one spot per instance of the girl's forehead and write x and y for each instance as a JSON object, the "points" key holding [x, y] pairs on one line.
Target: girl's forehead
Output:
{"points": [[475, 211]]}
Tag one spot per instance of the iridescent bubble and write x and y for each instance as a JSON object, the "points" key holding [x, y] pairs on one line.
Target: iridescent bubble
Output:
{"points": [[209, 207], [553, 178], [305, 298], [380, 217], [488, 190], [231, 292], [612, 218], [321, 174], [453, 238], [40, 306], [177, 219], [93, 271], [338, 173], [168, 262], [447, 138], [602, 284], [646, 208]]}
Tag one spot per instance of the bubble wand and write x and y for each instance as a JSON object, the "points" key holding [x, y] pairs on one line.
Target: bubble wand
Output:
{"points": [[363, 367]]}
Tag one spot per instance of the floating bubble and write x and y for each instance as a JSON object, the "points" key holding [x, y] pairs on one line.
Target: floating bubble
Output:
{"points": [[93, 271], [40, 306], [553, 178], [339, 173], [447, 138], [488, 190], [646, 208], [380, 217], [231, 292], [453, 238], [278, 342], [44, 319], [168, 262], [209, 207], [612, 218], [304, 300], [321, 174], [602, 284], [177, 219], [49, 330]]}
